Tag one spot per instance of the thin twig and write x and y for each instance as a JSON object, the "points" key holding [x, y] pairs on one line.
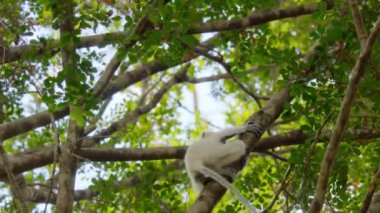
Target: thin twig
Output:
{"points": [[315, 140], [227, 67], [292, 196], [92, 124], [311, 150], [57, 146], [191, 112], [276, 156], [143, 96], [282, 186], [15, 188]]}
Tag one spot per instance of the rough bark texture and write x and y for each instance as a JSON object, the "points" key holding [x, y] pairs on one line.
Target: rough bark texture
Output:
{"points": [[67, 161], [23, 125], [375, 204]]}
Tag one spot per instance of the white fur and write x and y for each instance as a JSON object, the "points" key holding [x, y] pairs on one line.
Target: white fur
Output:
{"points": [[209, 154]]}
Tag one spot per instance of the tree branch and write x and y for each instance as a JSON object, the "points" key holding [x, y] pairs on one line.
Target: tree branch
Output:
{"points": [[40, 195], [43, 194], [358, 21], [375, 203], [67, 163], [371, 190], [282, 186], [22, 125], [28, 160], [332, 148], [132, 154], [55, 160], [253, 19], [92, 124]]}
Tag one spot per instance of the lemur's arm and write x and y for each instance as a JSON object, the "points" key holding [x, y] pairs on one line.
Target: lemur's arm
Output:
{"points": [[228, 133]]}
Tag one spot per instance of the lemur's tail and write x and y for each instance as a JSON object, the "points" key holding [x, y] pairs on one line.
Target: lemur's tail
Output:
{"points": [[222, 181]]}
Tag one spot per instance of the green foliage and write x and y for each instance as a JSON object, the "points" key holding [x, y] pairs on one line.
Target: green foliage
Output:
{"points": [[312, 53]]}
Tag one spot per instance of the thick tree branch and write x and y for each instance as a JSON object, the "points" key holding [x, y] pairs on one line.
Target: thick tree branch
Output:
{"points": [[358, 21], [23, 125], [41, 195], [132, 154], [253, 19], [68, 163], [15, 53], [28, 160], [371, 191], [332, 148], [212, 192], [375, 203]]}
